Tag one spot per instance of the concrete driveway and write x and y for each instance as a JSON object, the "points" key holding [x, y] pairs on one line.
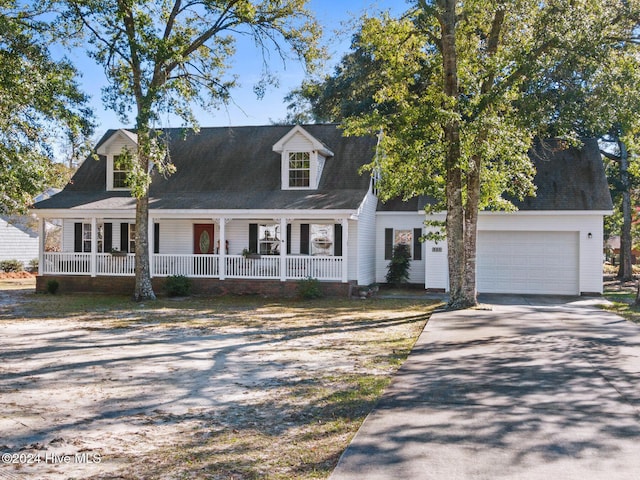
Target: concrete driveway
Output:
{"points": [[528, 388]]}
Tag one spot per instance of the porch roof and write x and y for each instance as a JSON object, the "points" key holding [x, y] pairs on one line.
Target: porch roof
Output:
{"points": [[230, 168], [215, 201]]}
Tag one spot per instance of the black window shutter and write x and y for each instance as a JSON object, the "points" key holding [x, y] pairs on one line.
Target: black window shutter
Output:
{"points": [[304, 239], [253, 237], [156, 238], [108, 237], [288, 239], [388, 243], [337, 240], [417, 244], [77, 237], [124, 237]]}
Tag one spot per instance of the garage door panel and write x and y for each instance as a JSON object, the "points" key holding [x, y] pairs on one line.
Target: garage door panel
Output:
{"points": [[528, 262]]}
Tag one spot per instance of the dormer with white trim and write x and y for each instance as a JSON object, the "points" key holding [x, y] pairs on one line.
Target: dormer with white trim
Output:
{"points": [[302, 159], [115, 145]]}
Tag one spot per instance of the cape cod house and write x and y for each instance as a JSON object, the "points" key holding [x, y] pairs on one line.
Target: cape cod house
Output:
{"points": [[254, 209]]}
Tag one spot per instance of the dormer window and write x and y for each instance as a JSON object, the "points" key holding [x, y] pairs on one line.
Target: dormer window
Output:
{"points": [[299, 169], [118, 148], [302, 159], [120, 172]]}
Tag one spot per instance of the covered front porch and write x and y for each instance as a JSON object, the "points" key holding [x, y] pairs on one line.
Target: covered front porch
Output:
{"points": [[261, 248], [221, 266]]}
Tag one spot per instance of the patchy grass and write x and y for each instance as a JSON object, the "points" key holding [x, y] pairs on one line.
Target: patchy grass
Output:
{"points": [[322, 366], [622, 303], [622, 297]]}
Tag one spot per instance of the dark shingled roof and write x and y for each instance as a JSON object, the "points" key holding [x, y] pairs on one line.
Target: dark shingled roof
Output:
{"points": [[231, 168], [236, 168], [566, 179]]}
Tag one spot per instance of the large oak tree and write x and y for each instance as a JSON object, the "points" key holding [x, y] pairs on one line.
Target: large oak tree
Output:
{"points": [[460, 90]]}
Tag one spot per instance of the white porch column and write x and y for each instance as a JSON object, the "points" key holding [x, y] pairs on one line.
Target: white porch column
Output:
{"points": [[283, 249], [222, 251], [94, 246], [41, 241], [345, 251], [151, 242]]}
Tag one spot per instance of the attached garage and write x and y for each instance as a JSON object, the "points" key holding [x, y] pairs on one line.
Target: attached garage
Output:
{"points": [[528, 262], [551, 244]]}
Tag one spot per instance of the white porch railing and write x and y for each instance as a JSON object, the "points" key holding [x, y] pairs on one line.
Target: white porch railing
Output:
{"points": [[117, 265], [267, 266], [203, 266], [62, 263], [322, 268]]}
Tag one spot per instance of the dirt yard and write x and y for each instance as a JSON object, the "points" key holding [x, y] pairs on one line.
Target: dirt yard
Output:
{"points": [[239, 388]]}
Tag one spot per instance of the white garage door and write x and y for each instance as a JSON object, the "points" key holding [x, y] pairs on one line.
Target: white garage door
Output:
{"points": [[528, 262]]}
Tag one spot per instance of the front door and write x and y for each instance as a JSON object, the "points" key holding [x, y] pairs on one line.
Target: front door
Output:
{"points": [[202, 238]]}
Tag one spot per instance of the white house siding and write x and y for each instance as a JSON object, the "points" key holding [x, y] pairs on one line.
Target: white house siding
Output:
{"points": [[398, 221], [67, 234], [17, 244], [176, 236], [436, 263], [299, 143], [352, 252], [363, 247], [119, 143]]}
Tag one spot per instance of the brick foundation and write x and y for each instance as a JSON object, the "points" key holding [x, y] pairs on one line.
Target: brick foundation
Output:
{"points": [[200, 286]]}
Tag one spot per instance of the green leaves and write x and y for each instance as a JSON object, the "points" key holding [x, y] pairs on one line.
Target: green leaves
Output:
{"points": [[166, 57], [524, 68], [39, 101]]}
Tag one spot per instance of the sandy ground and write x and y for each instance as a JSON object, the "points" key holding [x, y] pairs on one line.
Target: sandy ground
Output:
{"points": [[81, 399]]}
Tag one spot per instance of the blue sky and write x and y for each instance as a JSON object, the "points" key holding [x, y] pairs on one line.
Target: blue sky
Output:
{"points": [[333, 15]]}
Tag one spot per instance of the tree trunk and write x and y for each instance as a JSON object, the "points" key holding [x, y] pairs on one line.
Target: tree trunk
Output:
{"points": [[454, 224], [625, 272], [455, 211], [144, 288], [468, 297]]}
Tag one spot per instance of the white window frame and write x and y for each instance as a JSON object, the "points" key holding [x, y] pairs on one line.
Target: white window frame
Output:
{"points": [[269, 239], [111, 171], [132, 238], [119, 171], [86, 238], [291, 158], [403, 235], [320, 231]]}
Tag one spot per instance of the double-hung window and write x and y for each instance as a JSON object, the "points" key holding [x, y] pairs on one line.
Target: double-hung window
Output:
{"points": [[120, 172], [268, 239], [408, 237], [299, 169], [321, 239], [86, 238]]}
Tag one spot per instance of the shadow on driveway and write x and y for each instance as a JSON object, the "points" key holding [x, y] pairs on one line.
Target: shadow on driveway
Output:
{"points": [[526, 388]]}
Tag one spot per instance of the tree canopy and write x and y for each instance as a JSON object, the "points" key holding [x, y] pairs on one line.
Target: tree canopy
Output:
{"points": [[166, 57], [460, 91], [39, 101]]}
